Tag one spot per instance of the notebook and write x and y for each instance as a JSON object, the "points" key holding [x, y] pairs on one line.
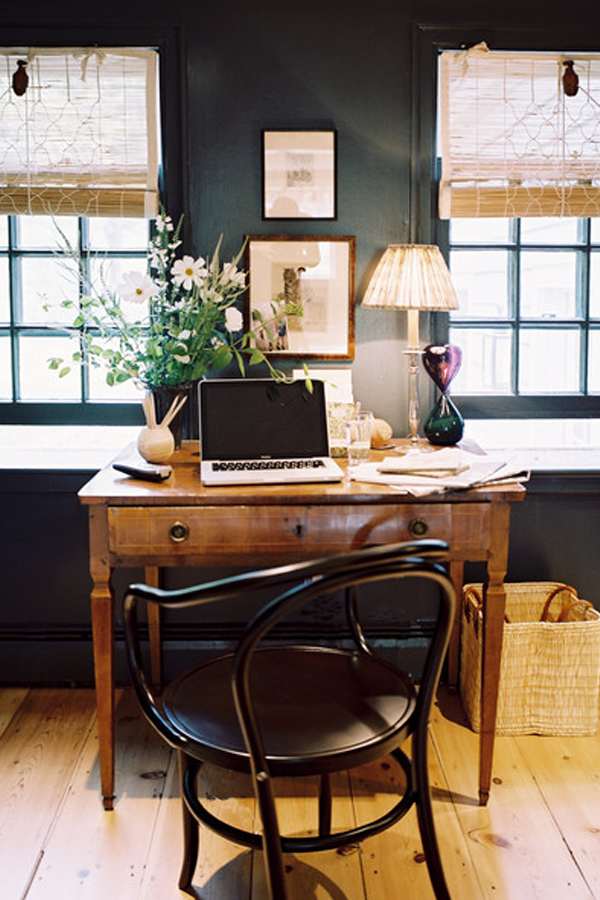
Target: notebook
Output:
{"points": [[258, 431]]}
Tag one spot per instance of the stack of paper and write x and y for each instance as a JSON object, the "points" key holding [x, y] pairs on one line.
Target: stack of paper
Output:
{"points": [[422, 472]]}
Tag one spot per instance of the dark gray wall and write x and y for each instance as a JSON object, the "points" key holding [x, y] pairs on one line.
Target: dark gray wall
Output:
{"points": [[246, 66]]}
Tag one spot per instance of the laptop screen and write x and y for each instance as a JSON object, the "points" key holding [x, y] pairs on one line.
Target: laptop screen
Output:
{"points": [[244, 418]]}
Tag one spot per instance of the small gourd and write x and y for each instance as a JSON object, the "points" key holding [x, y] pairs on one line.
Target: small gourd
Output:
{"points": [[381, 433], [155, 441]]}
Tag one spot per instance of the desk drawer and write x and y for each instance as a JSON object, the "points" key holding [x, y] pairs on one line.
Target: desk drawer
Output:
{"points": [[174, 535]]}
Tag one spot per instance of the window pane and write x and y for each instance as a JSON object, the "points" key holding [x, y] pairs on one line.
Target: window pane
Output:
{"points": [[37, 381], [5, 373], [3, 232], [595, 285], [4, 294], [549, 361], [51, 281], [43, 232], [480, 279], [118, 234], [548, 285], [486, 360], [594, 366], [479, 231], [595, 231], [100, 390], [549, 231]]}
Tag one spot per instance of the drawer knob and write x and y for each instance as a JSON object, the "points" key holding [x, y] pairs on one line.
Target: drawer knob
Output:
{"points": [[418, 528], [179, 532]]}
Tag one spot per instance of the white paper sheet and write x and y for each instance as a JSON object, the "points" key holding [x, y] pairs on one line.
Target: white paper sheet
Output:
{"points": [[432, 471]]}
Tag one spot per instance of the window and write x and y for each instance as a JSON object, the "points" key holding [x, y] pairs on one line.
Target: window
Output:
{"points": [[520, 192], [34, 279], [529, 317], [79, 149]]}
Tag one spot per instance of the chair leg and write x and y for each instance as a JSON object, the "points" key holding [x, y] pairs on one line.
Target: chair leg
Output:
{"points": [[271, 839], [191, 832], [425, 815], [324, 805]]}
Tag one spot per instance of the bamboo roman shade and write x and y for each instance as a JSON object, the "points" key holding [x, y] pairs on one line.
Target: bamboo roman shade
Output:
{"points": [[513, 143], [82, 137]]}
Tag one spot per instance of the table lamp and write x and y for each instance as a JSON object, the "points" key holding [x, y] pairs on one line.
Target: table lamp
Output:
{"points": [[413, 277]]}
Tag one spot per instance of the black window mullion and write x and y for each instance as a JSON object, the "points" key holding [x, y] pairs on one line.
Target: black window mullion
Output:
{"points": [[583, 302], [514, 289], [84, 256], [15, 294]]}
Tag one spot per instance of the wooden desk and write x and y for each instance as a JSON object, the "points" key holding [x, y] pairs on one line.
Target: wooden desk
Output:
{"points": [[181, 523]]}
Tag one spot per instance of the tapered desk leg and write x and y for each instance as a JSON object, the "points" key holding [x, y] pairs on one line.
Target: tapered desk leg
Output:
{"points": [[456, 573], [103, 631], [152, 576], [494, 602]]}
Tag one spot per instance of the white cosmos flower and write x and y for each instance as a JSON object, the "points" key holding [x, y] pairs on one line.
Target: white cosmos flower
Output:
{"points": [[136, 287], [188, 271], [231, 273], [234, 320], [181, 359]]}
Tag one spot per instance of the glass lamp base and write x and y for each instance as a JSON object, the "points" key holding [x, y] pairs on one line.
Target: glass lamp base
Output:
{"points": [[444, 425]]}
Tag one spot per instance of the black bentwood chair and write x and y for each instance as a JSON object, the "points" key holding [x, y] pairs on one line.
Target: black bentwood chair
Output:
{"points": [[278, 710]]}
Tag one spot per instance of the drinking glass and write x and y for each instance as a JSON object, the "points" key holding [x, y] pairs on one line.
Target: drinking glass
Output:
{"points": [[358, 436]]}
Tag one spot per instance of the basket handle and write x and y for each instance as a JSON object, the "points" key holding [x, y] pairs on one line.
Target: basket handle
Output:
{"points": [[473, 603], [552, 595], [585, 605]]}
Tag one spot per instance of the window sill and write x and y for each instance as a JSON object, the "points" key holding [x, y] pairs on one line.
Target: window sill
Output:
{"points": [[62, 447], [543, 445], [89, 448]]}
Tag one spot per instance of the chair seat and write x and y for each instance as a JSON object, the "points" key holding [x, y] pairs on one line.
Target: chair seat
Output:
{"points": [[352, 707]]}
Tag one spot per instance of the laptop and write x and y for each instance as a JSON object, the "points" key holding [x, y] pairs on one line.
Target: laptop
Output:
{"points": [[259, 431]]}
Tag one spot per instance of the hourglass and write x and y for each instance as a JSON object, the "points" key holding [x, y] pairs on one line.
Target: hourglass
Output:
{"points": [[444, 425]]}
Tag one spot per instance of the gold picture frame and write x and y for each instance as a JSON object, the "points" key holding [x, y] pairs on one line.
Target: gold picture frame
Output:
{"points": [[301, 294]]}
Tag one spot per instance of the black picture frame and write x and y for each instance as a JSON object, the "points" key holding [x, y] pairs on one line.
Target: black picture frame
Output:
{"points": [[299, 174]]}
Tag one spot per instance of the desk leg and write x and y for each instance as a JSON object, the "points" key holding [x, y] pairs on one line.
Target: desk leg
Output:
{"points": [[456, 574], [152, 576], [494, 602], [103, 634]]}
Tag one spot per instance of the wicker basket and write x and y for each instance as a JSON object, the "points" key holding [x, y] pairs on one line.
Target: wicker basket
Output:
{"points": [[550, 669]]}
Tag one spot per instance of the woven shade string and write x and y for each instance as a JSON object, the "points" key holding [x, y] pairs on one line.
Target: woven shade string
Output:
{"points": [[512, 142], [83, 138]]}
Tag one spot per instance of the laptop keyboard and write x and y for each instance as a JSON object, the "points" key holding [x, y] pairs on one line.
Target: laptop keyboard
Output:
{"points": [[267, 465]]}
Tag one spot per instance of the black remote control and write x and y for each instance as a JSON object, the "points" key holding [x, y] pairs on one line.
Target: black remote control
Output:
{"points": [[147, 472]]}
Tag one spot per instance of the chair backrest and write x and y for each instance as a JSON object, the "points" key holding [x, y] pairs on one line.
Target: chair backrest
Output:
{"points": [[298, 583]]}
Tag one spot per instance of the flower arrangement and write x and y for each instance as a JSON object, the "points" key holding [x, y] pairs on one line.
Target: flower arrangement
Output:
{"points": [[169, 325]]}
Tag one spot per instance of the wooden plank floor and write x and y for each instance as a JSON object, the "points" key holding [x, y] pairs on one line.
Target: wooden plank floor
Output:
{"points": [[539, 837]]}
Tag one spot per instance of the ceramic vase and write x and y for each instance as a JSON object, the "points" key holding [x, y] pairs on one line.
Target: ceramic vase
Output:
{"points": [[156, 445]]}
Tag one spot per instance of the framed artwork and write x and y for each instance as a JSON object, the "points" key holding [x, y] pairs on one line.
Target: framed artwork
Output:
{"points": [[299, 174], [301, 294]]}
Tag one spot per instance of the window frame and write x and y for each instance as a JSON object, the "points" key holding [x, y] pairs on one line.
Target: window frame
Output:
{"points": [[426, 227], [167, 40]]}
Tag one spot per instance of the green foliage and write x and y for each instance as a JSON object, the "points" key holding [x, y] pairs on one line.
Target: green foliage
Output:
{"points": [[168, 325]]}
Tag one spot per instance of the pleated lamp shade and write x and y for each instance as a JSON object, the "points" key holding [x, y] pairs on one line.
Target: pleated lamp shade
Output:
{"points": [[411, 276]]}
